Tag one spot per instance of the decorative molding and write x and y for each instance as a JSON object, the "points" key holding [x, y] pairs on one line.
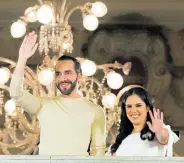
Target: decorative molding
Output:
{"points": [[177, 92], [149, 49], [160, 69]]}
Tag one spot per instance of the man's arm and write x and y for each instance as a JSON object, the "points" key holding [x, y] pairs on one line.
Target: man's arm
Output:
{"points": [[27, 101], [98, 142]]}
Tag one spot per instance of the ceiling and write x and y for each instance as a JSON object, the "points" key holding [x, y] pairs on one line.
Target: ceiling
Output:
{"points": [[169, 13]]}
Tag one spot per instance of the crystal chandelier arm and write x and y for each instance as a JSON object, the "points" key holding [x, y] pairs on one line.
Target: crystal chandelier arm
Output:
{"points": [[13, 64], [30, 148], [112, 65], [79, 7], [28, 11], [41, 2], [30, 76], [17, 145], [61, 20], [32, 128], [126, 67], [23, 19]]}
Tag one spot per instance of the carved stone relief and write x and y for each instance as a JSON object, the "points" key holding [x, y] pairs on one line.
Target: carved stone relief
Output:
{"points": [[177, 85], [176, 43], [149, 49], [163, 81]]}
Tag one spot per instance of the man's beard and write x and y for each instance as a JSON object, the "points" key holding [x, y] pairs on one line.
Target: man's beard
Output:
{"points": [[67, 91]]}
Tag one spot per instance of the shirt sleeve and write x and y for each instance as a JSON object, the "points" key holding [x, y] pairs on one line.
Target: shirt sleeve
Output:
{"points": [[30, 103], [98, 144], [173, 138], [108, 153]]}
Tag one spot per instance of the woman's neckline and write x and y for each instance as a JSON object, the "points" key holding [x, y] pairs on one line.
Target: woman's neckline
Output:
{"points": [[135, 133]]}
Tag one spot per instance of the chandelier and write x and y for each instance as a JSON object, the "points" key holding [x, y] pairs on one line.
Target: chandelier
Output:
{"points": [[55, 31], [20, 133]]}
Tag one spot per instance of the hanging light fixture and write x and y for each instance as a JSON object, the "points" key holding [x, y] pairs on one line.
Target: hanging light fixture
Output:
{"points": [[88, 67], [108, 100], [55, 32], [45, 14], [46, 77], [10, 107], [18, 29], [114, 80], [4, 75], [90, 22], [99, 9], [31, 14]]}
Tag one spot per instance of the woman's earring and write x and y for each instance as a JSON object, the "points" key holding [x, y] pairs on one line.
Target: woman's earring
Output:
{"points": [[148, 109]]}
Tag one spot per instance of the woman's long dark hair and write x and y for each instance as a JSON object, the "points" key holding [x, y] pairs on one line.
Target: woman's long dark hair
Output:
{"points": [[126, 126]]}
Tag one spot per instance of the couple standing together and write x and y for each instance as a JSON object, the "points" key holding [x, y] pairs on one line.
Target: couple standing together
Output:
{"points": [[69, 122]]}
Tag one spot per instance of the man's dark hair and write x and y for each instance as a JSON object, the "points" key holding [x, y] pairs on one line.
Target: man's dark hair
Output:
{"points": [[75, 61]]}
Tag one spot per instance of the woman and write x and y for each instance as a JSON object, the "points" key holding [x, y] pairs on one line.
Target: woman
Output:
{"points": [[142, 131]]}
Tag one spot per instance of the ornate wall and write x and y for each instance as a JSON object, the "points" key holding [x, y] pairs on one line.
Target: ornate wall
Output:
{"points": [[153, 54]]}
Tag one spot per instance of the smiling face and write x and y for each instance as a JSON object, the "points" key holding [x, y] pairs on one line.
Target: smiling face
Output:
{"points": [[136, 110], [66, 77]]}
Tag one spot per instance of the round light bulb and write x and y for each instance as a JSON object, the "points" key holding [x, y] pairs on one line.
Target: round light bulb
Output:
{"points": [[45, 14], [4, 75], [109, 100], [114, 80], [18, 29], [90, 22], [45, 77], [80, 93], [31, 14], [99, 9], [66, 46], [10, 106], [88, 67]]}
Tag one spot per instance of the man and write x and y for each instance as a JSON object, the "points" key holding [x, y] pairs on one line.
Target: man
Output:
{"points": [[69, 122]]}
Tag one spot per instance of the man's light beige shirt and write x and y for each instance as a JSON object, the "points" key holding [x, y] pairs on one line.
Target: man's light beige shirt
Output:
{"points": [[67, 124]]}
